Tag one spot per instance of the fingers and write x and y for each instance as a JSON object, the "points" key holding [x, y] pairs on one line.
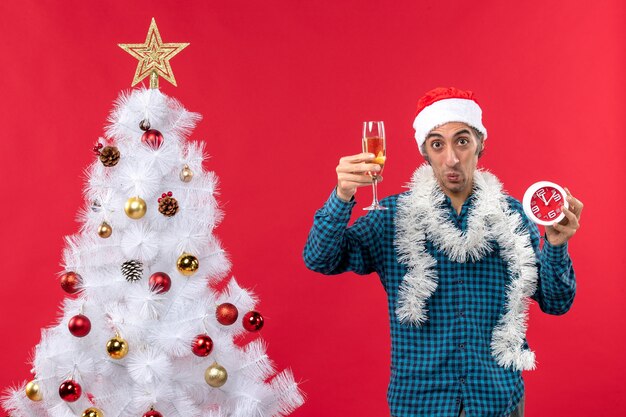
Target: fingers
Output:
{"points": [[353, 172], [357, 163], [359, 168], [361, 157], [571, 220], [356, 167], [355, 178], [576, 206], [564, 230], [568, 226]]}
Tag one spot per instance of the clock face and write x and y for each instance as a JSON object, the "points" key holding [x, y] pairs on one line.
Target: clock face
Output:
{"points": [[543, 203]]}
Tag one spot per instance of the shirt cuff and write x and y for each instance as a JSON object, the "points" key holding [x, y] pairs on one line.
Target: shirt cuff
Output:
{"points": [[337, 208], [555, 254]]}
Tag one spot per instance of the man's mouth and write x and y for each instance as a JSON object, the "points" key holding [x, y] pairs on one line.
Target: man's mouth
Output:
{"points": [[453, 177]]}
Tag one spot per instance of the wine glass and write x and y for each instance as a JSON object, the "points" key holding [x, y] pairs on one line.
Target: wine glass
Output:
{"points": [[374, 143]]}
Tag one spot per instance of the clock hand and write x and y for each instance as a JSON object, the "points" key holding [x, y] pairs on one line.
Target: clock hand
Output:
{"points": [[549, 199], [543, 199]]}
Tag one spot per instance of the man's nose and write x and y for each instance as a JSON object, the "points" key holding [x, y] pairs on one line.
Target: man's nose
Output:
{"points": [[451, 158]]}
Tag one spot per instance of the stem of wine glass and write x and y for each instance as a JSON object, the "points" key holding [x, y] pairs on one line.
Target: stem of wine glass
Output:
{"points": [[375, 192]]}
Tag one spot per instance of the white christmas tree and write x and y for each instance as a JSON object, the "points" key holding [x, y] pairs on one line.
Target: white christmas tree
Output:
{"points": [[144, 332]]}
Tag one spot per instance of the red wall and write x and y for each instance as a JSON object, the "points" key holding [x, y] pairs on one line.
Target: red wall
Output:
{"points": [[283, 87]]}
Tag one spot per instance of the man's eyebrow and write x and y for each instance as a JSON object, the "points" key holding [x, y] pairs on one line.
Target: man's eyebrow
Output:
{"points": [[436, 135], [461, 132]]}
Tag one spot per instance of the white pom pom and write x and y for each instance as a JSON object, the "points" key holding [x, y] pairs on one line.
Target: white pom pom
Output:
{"points": [[163, 159], [140, 242], [174, 337], [137, 179], [147, 365]]}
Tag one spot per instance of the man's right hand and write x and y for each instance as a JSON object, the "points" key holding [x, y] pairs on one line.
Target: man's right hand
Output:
{"points": [[352, 173]]}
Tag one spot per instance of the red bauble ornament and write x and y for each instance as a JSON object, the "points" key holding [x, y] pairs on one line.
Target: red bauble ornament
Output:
{"points": [[253, 321], [79, 325], [70, 391], [153, 413], [202, 345], [226, 314], [160, 282], [152, 138], [70, 282]]}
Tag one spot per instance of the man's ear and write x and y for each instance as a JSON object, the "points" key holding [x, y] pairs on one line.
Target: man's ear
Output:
{"points": [[481, 146]]}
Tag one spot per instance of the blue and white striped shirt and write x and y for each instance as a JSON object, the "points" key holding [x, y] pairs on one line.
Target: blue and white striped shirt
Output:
{"points": [[447, 360]]}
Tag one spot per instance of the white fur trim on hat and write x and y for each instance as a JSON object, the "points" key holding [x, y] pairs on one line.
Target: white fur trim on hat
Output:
{"points": [[445, 111]]}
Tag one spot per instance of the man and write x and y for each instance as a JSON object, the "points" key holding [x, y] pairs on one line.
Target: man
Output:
{"points": [[458, 259]]}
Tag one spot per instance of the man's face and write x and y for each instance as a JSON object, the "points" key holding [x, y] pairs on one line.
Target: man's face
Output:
{"points": [[452, 152]]}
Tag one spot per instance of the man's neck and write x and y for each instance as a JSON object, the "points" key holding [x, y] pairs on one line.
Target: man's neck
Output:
{"points": [[457, 202], [458, 199]]}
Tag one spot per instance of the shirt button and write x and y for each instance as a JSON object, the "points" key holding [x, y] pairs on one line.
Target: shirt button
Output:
{"points": [[462, 346], [462, 380], [460, 281], [461, 313], [458, 401]]}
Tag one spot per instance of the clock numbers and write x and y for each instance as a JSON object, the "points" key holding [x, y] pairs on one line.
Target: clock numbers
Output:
{"points": [[540, 193], [546, 209], [544, 202]]}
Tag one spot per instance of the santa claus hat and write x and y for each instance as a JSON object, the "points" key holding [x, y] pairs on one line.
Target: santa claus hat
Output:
{"points": [[443, 105]]}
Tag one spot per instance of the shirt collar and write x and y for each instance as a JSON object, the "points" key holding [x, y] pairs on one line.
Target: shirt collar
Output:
{"points": [[464, 209]]}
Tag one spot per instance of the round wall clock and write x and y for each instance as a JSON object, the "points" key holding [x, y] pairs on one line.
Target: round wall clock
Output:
{"points": [[543, 203]]}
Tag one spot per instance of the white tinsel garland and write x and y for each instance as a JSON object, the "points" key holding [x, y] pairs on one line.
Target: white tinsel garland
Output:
{"points": [[421, 217]]}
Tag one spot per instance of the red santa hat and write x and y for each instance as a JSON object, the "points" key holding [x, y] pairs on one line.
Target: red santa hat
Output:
{"points": [[443, 105]]}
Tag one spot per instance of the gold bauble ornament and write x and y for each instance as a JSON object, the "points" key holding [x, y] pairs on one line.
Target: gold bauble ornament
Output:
{"points": [[215, 375], [186, 174], [135, 208], [33, 391], [104, 230], [92, 412], [117, 347], [187, 264]]}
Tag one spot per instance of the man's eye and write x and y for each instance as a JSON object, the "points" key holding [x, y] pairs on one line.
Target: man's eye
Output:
{"points": [[436, 145], [463, 141]]}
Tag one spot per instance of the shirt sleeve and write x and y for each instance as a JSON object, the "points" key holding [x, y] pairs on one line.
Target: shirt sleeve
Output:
{"points": [[333, 248], [556, 285]]}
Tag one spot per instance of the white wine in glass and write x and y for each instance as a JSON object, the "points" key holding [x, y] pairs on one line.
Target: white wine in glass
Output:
{"points": [[374, 142]]}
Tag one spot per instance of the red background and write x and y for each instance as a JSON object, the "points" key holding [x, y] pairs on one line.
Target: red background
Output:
{"points": [[283, 87]]}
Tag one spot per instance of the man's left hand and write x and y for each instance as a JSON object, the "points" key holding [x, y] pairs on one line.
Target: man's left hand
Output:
{"points": [[561, 232]]}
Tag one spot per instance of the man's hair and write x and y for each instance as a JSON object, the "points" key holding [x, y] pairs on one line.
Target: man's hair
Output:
{"points": [[479, 139]]}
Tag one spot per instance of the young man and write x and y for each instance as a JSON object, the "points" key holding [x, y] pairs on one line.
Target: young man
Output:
{"points": [[459, 261]]}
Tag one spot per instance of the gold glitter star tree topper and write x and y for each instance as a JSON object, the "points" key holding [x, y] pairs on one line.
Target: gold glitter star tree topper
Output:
{"points": [[154, 57]]}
